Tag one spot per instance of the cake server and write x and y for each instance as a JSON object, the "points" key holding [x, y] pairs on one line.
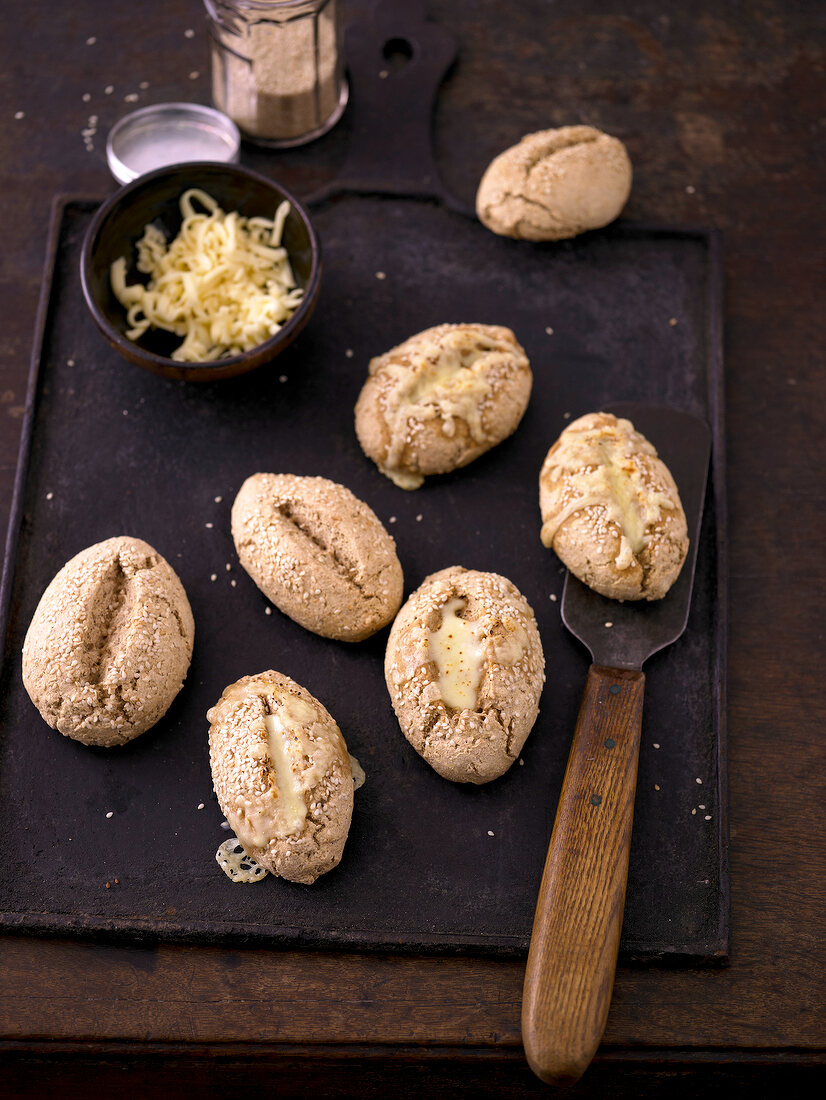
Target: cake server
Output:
{"points": [[576, 930]]}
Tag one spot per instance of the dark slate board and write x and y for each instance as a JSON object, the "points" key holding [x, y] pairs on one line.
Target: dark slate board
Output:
{"points": [[118, 451]]}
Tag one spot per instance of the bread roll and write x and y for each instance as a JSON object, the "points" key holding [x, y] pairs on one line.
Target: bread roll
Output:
{"points": [[282, 775], [110, 643], [319, 553], [611, 511], [464, 667], [555, 184], [441, 399]]}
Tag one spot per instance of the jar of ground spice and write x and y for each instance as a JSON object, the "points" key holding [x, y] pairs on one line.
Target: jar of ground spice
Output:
{"points": [[278, 67]]}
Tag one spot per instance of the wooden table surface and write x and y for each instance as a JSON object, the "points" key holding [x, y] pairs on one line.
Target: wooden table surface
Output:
{"points": [[722, 108]]}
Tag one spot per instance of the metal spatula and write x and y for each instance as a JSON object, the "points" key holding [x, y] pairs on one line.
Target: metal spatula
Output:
{"points": [[576, 931]]}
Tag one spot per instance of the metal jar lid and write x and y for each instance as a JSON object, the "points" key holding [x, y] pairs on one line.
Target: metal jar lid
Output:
{"points": [[169, 133]]}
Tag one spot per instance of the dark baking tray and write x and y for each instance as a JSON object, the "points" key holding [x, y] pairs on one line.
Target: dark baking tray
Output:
{"points": [[429, 865]]}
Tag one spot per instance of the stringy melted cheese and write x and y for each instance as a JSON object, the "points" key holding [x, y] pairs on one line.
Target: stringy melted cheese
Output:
{"points": [[224, 284]]}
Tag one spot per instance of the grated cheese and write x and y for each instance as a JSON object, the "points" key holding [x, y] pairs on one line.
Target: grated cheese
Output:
{"points": [[224, 284]]}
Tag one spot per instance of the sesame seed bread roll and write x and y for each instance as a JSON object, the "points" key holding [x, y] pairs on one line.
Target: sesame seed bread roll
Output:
{"points": [[282, 775], [319, 553], [464, 667], [611, 511], [441, 399], [555, 184], [109, 644]]}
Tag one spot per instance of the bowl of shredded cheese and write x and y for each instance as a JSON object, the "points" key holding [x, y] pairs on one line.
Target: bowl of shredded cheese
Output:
{"points": [[201, 271]]}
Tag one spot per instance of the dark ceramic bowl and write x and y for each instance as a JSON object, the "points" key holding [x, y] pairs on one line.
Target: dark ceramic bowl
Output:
{"points": [[119, 224]]}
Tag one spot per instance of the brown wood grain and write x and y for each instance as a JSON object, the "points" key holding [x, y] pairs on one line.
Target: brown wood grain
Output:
{"points": [[721, 107], [576, 931]]}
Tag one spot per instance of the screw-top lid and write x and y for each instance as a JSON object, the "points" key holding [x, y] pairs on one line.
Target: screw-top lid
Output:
{"points": [[169, 133]]}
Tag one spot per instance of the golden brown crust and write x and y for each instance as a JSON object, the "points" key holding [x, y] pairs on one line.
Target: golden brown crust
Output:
{"points": [[109, 644], [555, 184], [441, 399], [476, 743], [313, 761], [319, 553], [611, 511]]}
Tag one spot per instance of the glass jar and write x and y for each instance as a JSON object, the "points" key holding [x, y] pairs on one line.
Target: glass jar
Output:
{"points": [[278, 67]]}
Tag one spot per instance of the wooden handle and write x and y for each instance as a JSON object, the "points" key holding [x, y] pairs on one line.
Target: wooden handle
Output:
{"points": [[576, 929]]}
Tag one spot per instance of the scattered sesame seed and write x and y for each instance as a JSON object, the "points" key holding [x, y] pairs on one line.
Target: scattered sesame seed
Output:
{"points": [[110, 813], [392, 519], [349, 353], [224, 824], [90, 41], [268, 611], [117, 882], [672, 321], [689, 190], [491, 832], [521, 762], [381, 275], [213, 576], [698, 780], [419, 518], [694, 811], [656, 744], [125, 412], [49, 496], [109, 89], [282, 378], [228, 567], [194, 74], [233, 582], [218, 500], [701, 807], [108, 885], [566, 416], [608, 625], [549, 330], [19, 114], [70, 362], [553, 597], [383, 75], [189, 33], [131, 97], [144, 84], [209, 525], [656, 786], [707, 817], [200, 805], [86, 97]]}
